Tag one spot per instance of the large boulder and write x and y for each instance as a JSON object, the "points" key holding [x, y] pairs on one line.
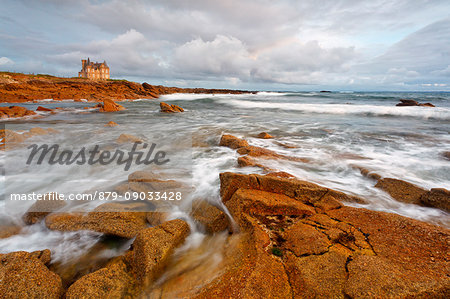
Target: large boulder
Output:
{"points": [[109, 218], [23, 275]]}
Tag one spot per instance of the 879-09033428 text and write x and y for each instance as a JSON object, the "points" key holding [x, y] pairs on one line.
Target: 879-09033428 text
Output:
{"points": [[101, 195]]}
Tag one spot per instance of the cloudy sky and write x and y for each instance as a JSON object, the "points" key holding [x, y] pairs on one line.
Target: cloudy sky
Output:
{"points": [[252, 44]]}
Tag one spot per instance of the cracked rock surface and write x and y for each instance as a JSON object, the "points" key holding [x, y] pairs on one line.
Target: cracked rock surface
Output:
{"points": [[296, 240]]}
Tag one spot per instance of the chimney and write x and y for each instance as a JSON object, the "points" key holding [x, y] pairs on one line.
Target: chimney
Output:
{"points": [[83, 63]]}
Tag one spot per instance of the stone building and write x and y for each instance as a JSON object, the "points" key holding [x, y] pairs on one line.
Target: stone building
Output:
{"points": [[95, 71]]}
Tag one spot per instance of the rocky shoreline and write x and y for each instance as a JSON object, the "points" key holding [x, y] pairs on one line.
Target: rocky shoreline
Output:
{"points": [[288, 238], [19, 88]]}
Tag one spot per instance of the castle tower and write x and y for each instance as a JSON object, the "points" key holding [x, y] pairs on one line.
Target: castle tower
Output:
{"points": [[94, 71]]}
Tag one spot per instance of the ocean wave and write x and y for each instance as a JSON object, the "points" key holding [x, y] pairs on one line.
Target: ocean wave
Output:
{"points": [[420, 112]]}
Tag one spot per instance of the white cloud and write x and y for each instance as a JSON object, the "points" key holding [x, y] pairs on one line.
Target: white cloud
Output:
{"points": [[341, 42], [6, 61]]}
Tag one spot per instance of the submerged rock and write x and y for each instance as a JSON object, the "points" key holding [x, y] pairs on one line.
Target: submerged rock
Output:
{"points": [[23, 275], [111, 124], [7, 231], [170, 108], [128, 138], [42, 208]]}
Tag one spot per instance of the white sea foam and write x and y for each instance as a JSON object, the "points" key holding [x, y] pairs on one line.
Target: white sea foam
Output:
{"points": [[420, 112], [65, 246]]}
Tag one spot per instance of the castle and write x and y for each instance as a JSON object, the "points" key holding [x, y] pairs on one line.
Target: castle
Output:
{"points": [[95, 71]]}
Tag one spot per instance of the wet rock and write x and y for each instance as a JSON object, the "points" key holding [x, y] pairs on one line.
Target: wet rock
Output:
{"points": [[111, 124], [155, 218], [11, 137], [437, 198], [317, 276], [426, 105], [300, 190], [128, 138], [15, 111], [413, 265], [153, 248], [109, 282], [7, 231], [107, 218], [329, 253], [45, 256], [446, 155], [25, 276], [40, 108], [302, 240], [167, 108], [232, 141], [405, 102], [145, 181], [401, 190], [280, 174], [110, 106], [368, 173], [255, 151], [41, 208], [264, 135], [213, 219], [246, 161]]}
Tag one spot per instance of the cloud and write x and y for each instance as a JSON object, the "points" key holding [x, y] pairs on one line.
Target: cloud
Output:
{"points": [[5, 61], [364, 44]]}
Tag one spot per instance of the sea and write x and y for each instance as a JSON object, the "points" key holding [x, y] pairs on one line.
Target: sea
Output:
{"points": [[337, 132]]}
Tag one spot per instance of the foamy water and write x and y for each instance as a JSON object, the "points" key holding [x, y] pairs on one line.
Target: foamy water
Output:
{"points": [[335, 131]]}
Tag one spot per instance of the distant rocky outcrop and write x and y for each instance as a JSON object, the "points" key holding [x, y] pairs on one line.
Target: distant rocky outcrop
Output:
{"points": [[406, 102], [23, 88]]}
